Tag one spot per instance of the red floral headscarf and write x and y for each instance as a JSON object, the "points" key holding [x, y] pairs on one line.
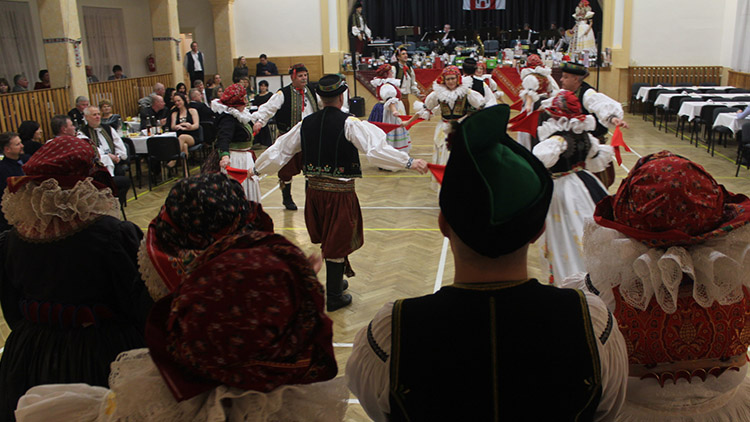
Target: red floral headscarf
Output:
{"points": [[534, 60], [234, 96], [566, 104], [384, 71], [447, 71]]}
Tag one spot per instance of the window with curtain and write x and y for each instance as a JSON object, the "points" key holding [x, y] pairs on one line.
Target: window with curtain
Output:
{"points": [[18, 42], [741, 53], [105, 40]]}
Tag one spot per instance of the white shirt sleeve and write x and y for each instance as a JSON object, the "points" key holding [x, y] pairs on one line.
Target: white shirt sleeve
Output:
{"points": [[428, 108], [120, 149], [367, 374], [278, 154], [371, 140], [603, 106], [599, 156], [268, 109], [549, 150], [413, 82], [489, 98], [477, 100]]}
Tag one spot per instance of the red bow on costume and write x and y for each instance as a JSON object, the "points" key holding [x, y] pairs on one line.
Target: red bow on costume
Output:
{"points": [[618, 142]]}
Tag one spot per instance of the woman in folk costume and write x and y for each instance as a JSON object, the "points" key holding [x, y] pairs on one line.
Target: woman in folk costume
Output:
{"points": [[482, 74], [234, 136], [584, 40], [453, 98], [251, 344], [571, 154], [390, 107], [669, 255], [538, 85]]}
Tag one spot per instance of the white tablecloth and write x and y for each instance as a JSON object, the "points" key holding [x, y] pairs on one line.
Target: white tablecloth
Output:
{"points": [[692, 110], [139, 142], [663, 99], [133, 126], [731, 121], [643, 91]]}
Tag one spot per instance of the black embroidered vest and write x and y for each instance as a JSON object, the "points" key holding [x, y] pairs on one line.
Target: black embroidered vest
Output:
{"points": [[600, 129], [290, 112], [325, 149], [576, 152], [487, 353], [460, 108]]}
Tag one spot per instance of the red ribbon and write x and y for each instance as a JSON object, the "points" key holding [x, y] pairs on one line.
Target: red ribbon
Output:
{"points": [[386, 127], [617, 142], [407, 118]]}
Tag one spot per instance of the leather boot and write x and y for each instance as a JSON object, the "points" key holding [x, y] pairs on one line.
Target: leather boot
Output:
{"points": [[335, 296], [286, 194]]}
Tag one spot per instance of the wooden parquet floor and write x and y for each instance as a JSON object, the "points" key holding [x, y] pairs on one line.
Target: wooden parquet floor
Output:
{"points": [[402, 253]]}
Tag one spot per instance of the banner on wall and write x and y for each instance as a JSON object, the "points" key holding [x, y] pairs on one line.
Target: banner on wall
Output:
{"points": [[484, 4]]}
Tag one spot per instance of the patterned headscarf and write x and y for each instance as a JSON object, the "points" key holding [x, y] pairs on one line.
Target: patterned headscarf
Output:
{"points": [[448, 71], [534, 60], [668, 200], [198, 212], [384, 71], [566, 104], [234, 96]]}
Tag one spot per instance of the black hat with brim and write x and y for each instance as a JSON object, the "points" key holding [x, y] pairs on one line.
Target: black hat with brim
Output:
{"points": [[331, 85], [574, 68], [495, 193]]}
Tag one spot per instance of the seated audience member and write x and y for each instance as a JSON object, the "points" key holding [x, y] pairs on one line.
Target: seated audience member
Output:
{"points": [[116, 73], [62, 125], [186, 122], [241, 70], [155, 111], [245, 82], [264, 136], [10, 166], [169, 99], [198, 84], [668, 254], [410, 362], [112, 150], [4, 86], [76, 113], [271, 353], [108, 117], [90, 77], [216, 81], [265, 68], [71, 293], [181, 87], [744, 113], [20, 83], [31, 136], [216, 92], [196, 101], [43, 80]]}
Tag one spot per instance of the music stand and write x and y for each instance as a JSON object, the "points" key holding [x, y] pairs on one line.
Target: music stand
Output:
{"points": [[405, 31]]}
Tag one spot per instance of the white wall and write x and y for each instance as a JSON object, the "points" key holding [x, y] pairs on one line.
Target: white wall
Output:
{"points": [[277, 28], [197, 17], [682, 32]]}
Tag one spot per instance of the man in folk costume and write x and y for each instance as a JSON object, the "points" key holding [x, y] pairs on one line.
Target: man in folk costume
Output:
{"points": [[572, 155], [608, 112], [288, 106], [668, 255], [329, 142], [360, 33], [416, 357], [538, 85], [469, 68], [405, 73], [453, 98]]}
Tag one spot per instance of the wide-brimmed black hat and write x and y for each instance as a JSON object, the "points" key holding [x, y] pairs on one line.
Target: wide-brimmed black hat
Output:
{"points": [[331, 85], [574, 68], [495, 193]]}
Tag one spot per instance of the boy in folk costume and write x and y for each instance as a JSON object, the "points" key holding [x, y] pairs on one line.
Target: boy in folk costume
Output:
{"points": [[389, 108]]}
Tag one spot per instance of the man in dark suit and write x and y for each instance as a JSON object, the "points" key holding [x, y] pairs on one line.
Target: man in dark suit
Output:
{"points": [[265, 68], [196, 101], [194, 62]]}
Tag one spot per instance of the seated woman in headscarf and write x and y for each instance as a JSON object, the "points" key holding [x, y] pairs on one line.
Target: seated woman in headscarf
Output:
{"points": [[669, 255], [242, 337], [69, 284], [234, 136]]}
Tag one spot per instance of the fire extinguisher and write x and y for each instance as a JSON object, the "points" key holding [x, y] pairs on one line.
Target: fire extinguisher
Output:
{"points": [[151, 63]]}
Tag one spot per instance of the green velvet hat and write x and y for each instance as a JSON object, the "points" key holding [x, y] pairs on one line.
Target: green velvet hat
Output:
{"points": [[331, 85], [495, 193]]}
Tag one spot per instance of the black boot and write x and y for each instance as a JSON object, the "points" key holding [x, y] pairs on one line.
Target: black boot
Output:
{"points": [[335, 297], [286, 194]]}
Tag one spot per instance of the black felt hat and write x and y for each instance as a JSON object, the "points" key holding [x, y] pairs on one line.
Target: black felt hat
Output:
{"points": [[299, 67], [495, 193], [574, 68], [331, 85]]}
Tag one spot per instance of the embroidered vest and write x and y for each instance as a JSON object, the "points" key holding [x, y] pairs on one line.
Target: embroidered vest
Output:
{"points": [[600, 129], [91, 133], [473, 353], [575, 154], [692, 341], [290, 112], [460, 108], [325, 149]]}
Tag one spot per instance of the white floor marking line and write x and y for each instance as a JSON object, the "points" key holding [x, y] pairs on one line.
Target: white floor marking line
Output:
{"points": [[343, 344], [269, 192], [441, 265], [353, 401]]}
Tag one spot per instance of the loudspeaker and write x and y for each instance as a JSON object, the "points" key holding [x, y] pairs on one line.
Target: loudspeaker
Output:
{"points": [[357, 106]]}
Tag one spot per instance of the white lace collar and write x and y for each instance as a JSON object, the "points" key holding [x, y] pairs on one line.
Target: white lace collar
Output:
{"points": [[563, 124], [218, 107], [540, 70], [376, 82], [719, 267], [449, 96]]}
